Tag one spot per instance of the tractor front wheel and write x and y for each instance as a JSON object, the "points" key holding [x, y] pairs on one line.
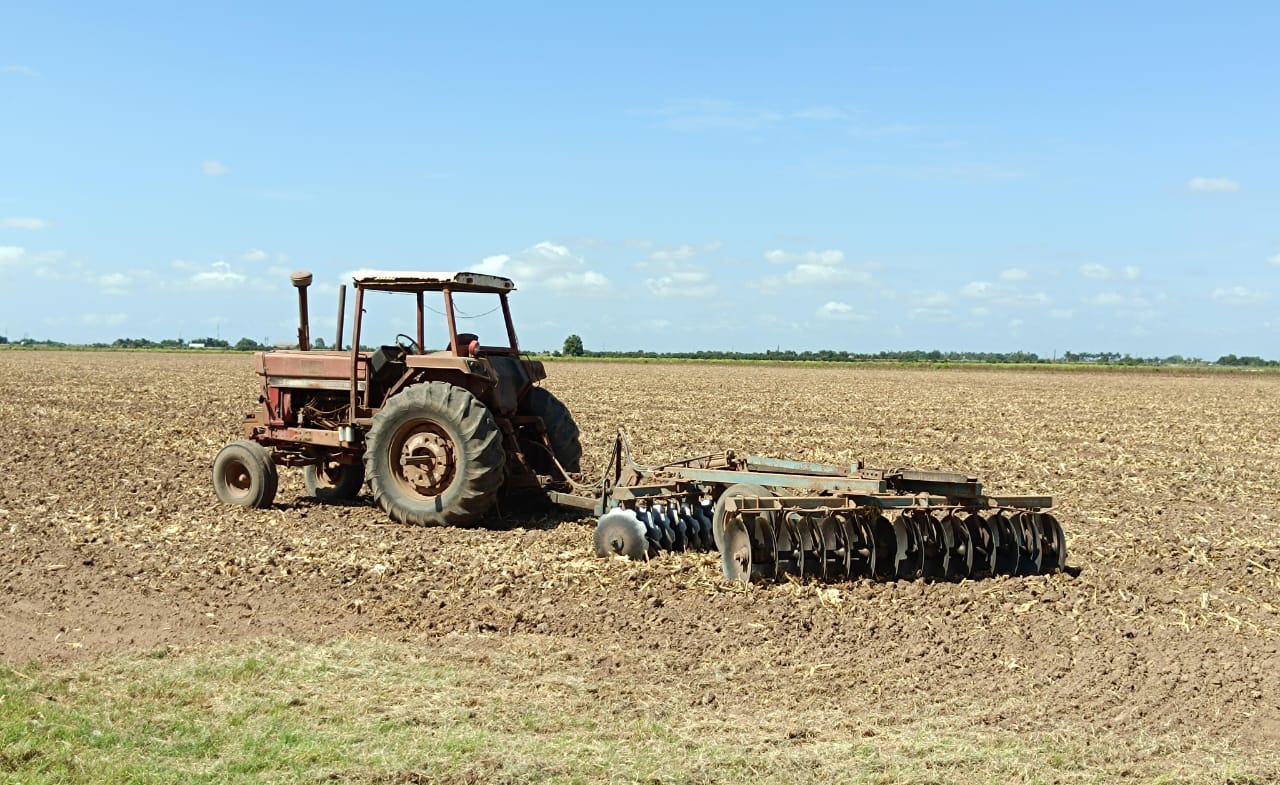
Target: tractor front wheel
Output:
{"points": [[243, 474], [331, 481], [434, 456]]}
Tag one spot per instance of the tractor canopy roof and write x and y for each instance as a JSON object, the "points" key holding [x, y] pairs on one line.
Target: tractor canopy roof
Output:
{"points": [[406, 281]]}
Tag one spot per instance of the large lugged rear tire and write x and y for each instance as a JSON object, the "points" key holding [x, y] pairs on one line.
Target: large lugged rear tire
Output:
{"points": [[562, 431], [434, 457], [243, 474]]}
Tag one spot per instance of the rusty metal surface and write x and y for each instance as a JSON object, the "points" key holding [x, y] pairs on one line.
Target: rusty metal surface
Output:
{"points": [[405, 281]]}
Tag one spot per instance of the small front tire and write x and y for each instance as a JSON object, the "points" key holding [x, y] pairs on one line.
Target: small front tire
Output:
{"points": [[330, 481], [244, 475]]}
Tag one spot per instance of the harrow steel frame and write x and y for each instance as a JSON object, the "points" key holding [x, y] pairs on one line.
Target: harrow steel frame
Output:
{"points": [[832, 521]]}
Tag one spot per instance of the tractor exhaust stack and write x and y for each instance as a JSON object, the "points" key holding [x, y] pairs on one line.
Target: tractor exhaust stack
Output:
{"points": [[302, 280], [342, 310]]}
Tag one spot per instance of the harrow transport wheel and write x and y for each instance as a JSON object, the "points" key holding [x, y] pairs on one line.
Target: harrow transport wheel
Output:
{"points": [[735, 552], [562, 431], [733, 491], [434, 456], [620, 532], [330, 481], [243, 474]]}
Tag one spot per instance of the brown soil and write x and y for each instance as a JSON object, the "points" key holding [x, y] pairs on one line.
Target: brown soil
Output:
{"points": [[1167, 484]]}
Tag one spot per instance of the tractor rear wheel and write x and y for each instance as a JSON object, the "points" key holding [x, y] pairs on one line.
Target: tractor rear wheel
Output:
{"points": [[562, 431], [243, 474], [331, 481], [434, 456]]}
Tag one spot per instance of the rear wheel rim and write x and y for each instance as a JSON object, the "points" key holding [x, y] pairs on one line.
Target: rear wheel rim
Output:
{"points": [[423, 459]]}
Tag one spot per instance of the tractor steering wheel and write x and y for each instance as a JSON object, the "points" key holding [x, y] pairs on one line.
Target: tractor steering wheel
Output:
{"points": [[409, 345]]}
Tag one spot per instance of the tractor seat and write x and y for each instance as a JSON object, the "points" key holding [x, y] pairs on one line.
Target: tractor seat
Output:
{"points": [[468, 341]]}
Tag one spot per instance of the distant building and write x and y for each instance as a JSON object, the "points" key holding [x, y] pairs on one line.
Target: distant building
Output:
{"points": [[195, 346]]}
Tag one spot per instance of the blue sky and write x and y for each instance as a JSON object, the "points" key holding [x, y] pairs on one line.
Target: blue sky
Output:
{"points": [[974, 176]]}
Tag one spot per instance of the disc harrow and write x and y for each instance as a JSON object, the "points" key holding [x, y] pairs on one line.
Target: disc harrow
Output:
{"points": [[851, 522]]}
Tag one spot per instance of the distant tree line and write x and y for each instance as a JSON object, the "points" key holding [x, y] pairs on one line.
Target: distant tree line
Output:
{"points": [[573, 347]]}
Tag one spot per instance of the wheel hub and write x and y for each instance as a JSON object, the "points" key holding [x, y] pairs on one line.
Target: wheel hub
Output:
{"points": [[427, 461], [236, 476]]}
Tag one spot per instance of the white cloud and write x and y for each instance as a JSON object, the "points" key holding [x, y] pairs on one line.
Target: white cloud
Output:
{"points": [[823, 275], [1014, 274], [826, 258], [255, 255], [980, 312], [841, 312], [103, 319], [1002, 295], [822, 113], [24, 223], [20, 70], [1061, 313], [710, 115], [1136, 308], [1213, 184], [113, 283], [671, 258], [812, 268], [1240, 295], [11, 254], [678, 254], [219, 276], [935, 299], [1015, 324], [213, 168], [546, 264], [682, 283], [931, 314], [1274, 260], [1100, 273]]}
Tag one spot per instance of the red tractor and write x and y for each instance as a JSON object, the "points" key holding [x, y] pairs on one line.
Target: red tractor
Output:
{"points": [[439, 435]]}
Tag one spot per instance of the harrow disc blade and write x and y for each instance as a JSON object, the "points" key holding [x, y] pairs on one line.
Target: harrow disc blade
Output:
{"points": [[679, 541], [735, 552], [1032, 537], [960, 564], [1009, 546], [909, 561], [887, 546], [984, 543], [620, 532], [863, 561], [765, 536], [692, 531], [934, 543], [1056, 557]]}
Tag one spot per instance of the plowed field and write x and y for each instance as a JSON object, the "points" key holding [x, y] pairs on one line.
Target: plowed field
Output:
{"points": [[1159, 653]]}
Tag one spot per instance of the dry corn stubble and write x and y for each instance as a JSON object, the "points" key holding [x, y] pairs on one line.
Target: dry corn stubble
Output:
{"points": [[112, 540]]}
